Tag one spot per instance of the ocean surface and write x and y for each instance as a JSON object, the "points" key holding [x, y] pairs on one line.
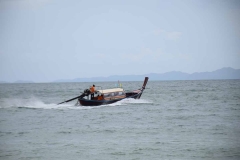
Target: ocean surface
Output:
{"points": [[175, 120]]}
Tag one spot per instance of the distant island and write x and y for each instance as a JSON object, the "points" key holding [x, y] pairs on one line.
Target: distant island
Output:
{"points": [[3, 82], [19, 81], [224, 73]]}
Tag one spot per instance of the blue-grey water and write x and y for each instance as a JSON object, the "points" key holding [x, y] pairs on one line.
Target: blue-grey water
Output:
{"points": [[172, 120]]}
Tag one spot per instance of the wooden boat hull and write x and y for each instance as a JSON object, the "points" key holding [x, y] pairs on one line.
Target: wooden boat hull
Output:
{"points": [[86, 102]]}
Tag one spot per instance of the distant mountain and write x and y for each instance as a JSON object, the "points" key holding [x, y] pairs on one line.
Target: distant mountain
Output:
{"points": [[3, 82], [224, 73], [21, 81]]}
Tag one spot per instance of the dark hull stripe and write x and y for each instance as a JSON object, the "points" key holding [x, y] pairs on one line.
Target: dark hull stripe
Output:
{"points": [[86, 102]]}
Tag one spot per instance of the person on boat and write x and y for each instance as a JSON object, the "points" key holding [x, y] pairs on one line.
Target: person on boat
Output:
{"points": [[92, 89], [100, 97]]}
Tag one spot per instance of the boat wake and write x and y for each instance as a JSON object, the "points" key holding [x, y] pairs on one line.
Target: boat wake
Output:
{"points": [[35, 103], [128, 101], [31, 103]]}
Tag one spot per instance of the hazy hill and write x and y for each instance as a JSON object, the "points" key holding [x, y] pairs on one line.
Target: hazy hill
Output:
{"points": [[224, 73], [21, 81], [3, 82]]}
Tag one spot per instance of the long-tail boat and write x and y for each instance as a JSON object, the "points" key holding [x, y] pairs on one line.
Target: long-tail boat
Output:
{"points": [[107, 96]]}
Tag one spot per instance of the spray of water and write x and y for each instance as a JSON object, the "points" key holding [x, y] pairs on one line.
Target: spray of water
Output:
{"points": [[35, 103]]}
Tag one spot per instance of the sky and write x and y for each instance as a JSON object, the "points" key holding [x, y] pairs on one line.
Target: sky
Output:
{"points": [[47, 40]]}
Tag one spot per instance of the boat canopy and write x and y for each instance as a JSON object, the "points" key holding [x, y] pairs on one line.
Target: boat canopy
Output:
{"points": [[111, 90]]}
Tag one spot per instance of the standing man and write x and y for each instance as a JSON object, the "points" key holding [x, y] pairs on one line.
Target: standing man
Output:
{"points": [[92, 89]]}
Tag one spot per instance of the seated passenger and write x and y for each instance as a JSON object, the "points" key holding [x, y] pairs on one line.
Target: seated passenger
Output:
{"points": [[100, 97]]}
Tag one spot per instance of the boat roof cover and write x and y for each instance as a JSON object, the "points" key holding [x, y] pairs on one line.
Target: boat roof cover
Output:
{"points": [[111, 90]]}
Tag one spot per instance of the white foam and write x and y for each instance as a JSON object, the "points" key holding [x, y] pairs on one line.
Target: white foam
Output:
{"points": [[32, 102], [137, 101], [35, 103], [129, 101]]}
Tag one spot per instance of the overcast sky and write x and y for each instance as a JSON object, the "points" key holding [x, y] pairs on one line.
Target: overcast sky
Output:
{"points": [[46, 40]]}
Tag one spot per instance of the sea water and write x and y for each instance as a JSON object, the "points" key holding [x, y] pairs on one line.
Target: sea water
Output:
{"points": [[172, 120]]}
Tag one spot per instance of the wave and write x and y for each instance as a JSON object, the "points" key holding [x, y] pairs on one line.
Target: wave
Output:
{"points": [[35, 103], [129, 101]]}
